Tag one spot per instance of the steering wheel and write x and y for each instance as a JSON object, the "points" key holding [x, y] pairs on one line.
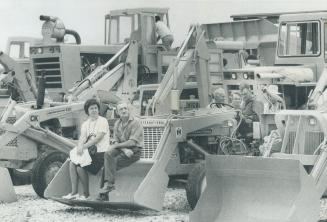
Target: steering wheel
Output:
{"points": [[220, 104]]}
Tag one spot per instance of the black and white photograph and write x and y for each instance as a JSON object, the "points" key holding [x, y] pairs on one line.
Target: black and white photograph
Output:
{"points": [[163, 111]]}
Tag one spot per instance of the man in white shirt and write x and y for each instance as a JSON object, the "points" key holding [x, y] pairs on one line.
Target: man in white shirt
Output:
{"points": [[164, 33]]}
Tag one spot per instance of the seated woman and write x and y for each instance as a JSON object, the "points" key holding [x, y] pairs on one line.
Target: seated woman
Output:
{"points": [[88, 155]]}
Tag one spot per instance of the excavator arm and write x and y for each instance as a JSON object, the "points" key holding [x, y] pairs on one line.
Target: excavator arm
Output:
{"points": [[193, 52], [122, 74]]}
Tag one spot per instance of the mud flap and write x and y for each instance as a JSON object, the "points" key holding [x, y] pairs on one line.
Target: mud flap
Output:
{"points": [[134, 188], [256, 189], [7, 192]]}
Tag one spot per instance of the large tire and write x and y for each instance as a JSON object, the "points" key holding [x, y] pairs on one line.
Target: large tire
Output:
{"points": [[45, 168], [196, 183]]}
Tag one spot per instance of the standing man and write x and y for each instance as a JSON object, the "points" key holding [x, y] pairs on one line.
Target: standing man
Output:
{"points": [[164, 33], [251, 109], [125, 150]]}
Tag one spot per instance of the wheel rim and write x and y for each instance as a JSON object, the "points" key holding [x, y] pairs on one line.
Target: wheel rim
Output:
{"points": [[52, 169]]}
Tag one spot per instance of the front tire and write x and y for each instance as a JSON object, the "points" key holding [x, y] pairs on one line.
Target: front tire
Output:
{"points": [[196, 184], [45, 168]]}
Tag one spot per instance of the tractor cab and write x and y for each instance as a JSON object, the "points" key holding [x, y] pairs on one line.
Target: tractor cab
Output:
{"points": [[122, 26]]}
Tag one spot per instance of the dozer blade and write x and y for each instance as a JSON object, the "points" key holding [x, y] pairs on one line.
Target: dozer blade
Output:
{"points": [[7, 192], [256, 189], [132, 188]]}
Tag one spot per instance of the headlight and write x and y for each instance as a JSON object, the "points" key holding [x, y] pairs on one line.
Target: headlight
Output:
{"points": [[234, 76], [39, 50], [312, 121], [245, 76]]}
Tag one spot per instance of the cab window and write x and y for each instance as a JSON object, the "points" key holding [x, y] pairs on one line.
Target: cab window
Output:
{"points": [[299, 39]]}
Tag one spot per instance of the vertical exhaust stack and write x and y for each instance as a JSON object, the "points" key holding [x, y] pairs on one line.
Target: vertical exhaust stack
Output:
{"points": [[41, 91]]}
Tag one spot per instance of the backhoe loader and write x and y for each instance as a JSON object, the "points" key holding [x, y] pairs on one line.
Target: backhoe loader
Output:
{"points": [[143, 185], [287, 183], [141, 55]]}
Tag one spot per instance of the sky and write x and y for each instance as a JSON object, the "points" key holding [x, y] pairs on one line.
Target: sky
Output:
{"points": [[21, 17]]}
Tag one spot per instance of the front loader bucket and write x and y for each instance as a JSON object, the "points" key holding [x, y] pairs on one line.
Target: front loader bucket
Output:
{"points": [[7, 192], [256, 189], [133, 190]]}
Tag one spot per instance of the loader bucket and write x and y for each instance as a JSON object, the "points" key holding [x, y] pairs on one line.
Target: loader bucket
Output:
{"points": [[7, 192], [133, 191], [256, 189]]}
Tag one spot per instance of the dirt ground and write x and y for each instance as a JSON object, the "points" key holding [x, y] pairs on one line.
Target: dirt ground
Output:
{"points": [[30, 208]]}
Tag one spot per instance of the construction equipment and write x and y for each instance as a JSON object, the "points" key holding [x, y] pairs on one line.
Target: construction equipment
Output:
{"points": [[140, 54], [147, 176], [284, 187], [118, 75]]}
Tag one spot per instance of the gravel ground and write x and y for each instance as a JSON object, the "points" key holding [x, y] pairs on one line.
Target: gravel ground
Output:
{"points": [[30, 208]]}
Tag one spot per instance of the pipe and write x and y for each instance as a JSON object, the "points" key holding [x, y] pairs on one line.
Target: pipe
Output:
{"points": [[75, 34]]}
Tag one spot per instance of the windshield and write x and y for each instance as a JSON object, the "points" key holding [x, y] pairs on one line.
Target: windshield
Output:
{"points": [[299, 39], [119, 28]]}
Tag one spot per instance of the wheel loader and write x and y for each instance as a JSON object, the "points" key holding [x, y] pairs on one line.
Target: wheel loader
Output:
{"points": [[212, 123], [285, 184], [140, 53]]}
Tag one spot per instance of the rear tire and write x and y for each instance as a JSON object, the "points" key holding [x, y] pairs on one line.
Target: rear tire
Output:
{"points": [[45, 168], [195, 184]]}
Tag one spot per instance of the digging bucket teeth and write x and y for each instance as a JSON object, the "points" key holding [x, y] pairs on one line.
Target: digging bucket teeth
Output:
{"points": [[256, 189], [7, 192]]}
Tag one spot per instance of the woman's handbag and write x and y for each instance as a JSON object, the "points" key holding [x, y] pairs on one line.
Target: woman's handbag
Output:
{"points": [[97, 158]]}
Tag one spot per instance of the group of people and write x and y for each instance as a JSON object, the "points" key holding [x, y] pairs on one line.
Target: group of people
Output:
{"points": [[94, 149], [244, 100]]}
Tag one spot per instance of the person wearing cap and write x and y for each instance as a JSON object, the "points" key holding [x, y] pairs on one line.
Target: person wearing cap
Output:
{"points": [[164, 33], [251, 109]]}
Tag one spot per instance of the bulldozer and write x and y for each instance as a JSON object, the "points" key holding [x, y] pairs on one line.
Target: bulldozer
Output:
{"points": [[285, 184]]}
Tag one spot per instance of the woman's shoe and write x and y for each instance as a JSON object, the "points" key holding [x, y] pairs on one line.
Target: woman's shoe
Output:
{"points": [[70, 196], [81, 197]]}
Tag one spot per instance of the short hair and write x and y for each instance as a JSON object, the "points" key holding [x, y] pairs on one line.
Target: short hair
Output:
{"points": [[220, 91], [244, 85], [157, 18], [89, 103], [123, 102]]}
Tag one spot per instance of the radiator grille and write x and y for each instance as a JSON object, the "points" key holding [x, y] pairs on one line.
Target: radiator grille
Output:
{"points": [[51, 66], [153, 130], [312, 141]]}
